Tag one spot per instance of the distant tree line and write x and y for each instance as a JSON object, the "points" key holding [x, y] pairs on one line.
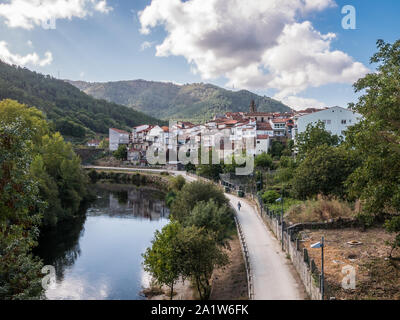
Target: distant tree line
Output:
{"points": [[72, 112]]}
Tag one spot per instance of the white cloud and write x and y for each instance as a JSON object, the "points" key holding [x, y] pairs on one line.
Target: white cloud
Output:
{"points": [[30, 13], [146, 45], [299, 103], [102, 7], [29, 59], [254, 44]]}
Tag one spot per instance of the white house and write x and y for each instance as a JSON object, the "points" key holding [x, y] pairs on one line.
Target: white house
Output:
{"points": [[118, 137], [262, 144], [336, 120]]}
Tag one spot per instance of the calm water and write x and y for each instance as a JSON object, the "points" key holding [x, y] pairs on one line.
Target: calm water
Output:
{"points": [[99, 256]]}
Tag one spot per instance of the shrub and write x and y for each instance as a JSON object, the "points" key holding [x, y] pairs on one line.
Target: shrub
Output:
{"points": [[270, 196], [319, 211], [177, 183]]}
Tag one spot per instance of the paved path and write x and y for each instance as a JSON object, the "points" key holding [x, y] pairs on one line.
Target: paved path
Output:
{"points": [[273, 275], [274, 278]]}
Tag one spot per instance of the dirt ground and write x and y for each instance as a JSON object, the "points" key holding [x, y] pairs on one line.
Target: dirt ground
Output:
{"points": [[377, 277], [230, 282]]}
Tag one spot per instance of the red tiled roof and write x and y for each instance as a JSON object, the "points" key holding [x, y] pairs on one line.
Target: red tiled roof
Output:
{"points": [[165, 129], [120, 131], [262, 137], [264, 126], [259, 114], [280, 120]]}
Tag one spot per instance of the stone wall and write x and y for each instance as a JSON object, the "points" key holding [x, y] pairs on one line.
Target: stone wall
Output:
{"points": [[88, 154]]}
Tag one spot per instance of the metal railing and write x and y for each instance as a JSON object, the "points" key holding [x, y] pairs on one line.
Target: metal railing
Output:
{"points": [[246, 257]]}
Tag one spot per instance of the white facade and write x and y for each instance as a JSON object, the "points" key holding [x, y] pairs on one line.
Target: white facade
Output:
{"points": [[118, 137], [336, 120], [262, 144]]}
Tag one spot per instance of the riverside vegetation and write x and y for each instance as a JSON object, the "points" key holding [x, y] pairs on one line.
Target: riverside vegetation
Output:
{"points": [[41, 184], [191, 246]]}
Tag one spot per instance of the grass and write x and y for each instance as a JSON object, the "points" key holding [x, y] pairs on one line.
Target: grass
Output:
{"points": [[319, 211]]}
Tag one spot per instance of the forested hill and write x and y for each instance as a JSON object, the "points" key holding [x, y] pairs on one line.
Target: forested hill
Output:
{"points": [[170, 101], [74, 113]]}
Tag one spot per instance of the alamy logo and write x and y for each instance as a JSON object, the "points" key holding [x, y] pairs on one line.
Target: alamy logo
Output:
{"points": [[349, 281], [349, 21], [49, 280]]}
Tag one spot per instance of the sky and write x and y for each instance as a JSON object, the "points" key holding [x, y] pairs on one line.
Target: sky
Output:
{"points": [[296, 51]]}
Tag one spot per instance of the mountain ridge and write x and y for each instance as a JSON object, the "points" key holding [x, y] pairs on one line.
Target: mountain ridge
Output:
{"points": [[166, 100], [73, 113]]}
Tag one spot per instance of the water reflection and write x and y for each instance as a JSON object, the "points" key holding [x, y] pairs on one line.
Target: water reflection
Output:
{"points": [[99, 256]]}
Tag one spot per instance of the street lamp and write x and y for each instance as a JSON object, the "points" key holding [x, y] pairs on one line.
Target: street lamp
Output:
{"points": [[317, 246]]}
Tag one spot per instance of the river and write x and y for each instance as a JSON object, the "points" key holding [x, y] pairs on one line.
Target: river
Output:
{"points": [[99, 256]]}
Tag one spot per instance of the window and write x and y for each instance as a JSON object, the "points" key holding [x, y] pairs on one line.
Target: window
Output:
{"points": [[344, 121], [329, 121]]}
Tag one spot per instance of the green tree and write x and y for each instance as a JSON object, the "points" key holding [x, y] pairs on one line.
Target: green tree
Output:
{"points": [[214, 219], [270, 196], [104, 144], [314, 136], [121, 153], [177, 183], [163, 259], [286, 170], [55, 166], [263, 161], [200, 256], [377, 137], [191, 194], [324, 171], [277, 149], [20, 208]]}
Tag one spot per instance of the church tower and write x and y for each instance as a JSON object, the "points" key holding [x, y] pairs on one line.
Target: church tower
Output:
{"points": [[253, 107]]}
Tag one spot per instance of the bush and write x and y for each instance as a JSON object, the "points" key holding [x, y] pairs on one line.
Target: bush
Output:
{"points": [[319, 211], [170, 198], [177, 183], [193, 193], [217, 220], [270, 196]]}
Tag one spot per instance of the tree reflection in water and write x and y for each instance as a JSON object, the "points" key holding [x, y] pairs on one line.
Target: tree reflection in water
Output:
{"points": [[60, 247]]}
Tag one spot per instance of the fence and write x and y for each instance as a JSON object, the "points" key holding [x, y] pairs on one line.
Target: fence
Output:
{"points": [[246, 258], [305, 267]]}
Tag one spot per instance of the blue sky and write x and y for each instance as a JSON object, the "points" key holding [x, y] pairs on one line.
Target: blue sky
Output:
{"points": [[104, 43]]}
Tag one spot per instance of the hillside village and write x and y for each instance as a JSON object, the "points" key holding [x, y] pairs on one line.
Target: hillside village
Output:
{"points": [[263, 127]]}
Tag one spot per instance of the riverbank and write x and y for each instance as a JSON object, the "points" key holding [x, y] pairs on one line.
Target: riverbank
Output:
{"points": [[228, 283]]}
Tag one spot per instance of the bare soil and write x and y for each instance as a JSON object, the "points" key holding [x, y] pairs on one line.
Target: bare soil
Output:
{"points": [[230, 282], [377, 277]]}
